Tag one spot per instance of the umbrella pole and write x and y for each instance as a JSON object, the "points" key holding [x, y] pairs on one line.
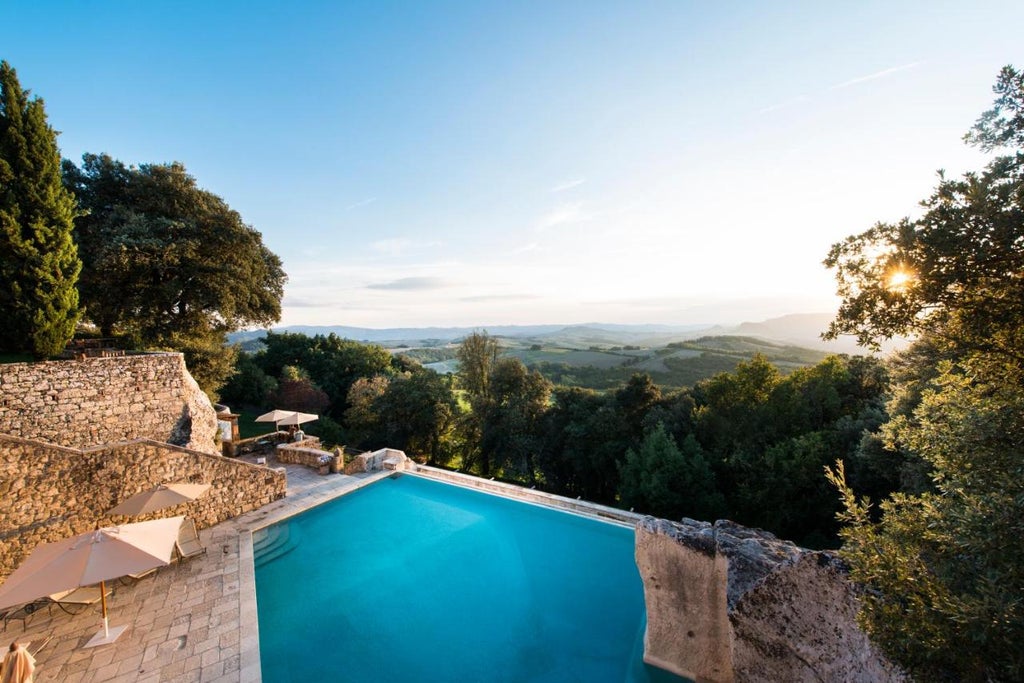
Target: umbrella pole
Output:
{"points": [[106, 635], [103, 603]]}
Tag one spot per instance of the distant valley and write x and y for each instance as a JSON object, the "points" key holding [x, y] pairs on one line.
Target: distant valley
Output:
{"points": [[802, 329], [602, 356]]}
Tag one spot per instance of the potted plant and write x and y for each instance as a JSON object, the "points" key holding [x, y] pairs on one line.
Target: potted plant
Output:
{"points": [[324, 463]]}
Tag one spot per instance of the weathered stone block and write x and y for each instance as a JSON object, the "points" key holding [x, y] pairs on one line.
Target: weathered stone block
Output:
{"points": [[727, 603]]}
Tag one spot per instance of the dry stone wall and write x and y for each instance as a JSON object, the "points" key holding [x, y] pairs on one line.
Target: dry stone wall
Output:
{"points": [[85, 403], [50, 492], [727, 603]]}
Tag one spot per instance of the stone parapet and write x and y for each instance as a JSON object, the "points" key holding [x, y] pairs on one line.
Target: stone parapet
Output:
{"points": [[299, 454], [727, 603], [85, 403], [529, 495], [385, 458], [50, 492]]}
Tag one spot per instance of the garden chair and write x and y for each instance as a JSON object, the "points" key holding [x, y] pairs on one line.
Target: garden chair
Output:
{"points": [[188, 544]]}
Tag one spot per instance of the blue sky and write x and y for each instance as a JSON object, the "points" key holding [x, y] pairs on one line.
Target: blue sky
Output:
{"points": [[482, 163]]}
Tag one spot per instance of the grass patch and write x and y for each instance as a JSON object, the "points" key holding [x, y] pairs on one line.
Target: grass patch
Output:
{"points": [[16, 358], [248, 427]]}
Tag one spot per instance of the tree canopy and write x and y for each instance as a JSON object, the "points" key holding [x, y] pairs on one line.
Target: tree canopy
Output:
{"points": [[954, 273], [944, 567], [39, 263], [168, 264]]}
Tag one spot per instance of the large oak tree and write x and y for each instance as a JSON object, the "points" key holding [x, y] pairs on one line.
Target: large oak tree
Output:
{"points": [[168, 264]]}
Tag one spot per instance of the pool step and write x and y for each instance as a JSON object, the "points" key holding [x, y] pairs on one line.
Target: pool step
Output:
{"points": [[274, 542]]}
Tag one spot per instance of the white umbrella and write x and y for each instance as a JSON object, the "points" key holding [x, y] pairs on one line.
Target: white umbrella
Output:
{"points": [[90, 558], [274, 416], [299, 418], [163, 496]]}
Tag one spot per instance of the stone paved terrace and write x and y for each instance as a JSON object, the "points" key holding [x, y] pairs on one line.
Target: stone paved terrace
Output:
{"points": [[191, 622]]}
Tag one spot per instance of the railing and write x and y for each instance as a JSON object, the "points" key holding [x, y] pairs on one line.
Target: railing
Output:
{"points": [[80, 349]]}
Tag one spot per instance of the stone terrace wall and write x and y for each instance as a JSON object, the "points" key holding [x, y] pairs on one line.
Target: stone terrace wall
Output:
{"points": [[50, 492], [85, 403]]}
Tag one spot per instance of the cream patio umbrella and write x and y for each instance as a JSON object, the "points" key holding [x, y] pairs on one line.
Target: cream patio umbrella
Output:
{"points": [[299, 418], [274, 416], [91, 558], [163, 496]]}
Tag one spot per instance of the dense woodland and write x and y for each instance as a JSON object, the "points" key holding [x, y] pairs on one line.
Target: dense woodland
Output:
{"points": [[750, 444], [915, 463]]}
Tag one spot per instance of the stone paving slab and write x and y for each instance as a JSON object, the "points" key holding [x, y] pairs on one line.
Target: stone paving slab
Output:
{"points": [[193, 621]]}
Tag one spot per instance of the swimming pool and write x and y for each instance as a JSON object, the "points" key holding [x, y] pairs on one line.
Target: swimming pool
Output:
{"points": [[412, 580]]}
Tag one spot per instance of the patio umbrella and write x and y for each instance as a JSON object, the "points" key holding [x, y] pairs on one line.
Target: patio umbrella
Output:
{"points": [[274, 416], [18, 664], [299, 418], [90, 558], [163, 496]]}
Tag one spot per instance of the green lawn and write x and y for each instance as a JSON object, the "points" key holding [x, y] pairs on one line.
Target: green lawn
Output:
{"points": [[16, 358], [248, 427]]}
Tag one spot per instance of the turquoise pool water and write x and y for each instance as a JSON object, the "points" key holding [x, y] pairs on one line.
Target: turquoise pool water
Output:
{"points": [[411, 580]]}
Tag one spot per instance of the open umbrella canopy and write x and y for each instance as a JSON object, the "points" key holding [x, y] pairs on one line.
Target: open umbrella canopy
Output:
{"points": [[274, 416], [299, 418], [90, 558], [163, 496]]}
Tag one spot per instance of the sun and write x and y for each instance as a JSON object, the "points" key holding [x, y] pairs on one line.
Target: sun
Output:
{"points": [[899, 278]]}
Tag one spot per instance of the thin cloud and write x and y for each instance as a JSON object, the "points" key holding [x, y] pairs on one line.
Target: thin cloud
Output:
{"points": [[412, 284], [499, 297], [875, 76], [398, 245], [783, 105], [532, 246], [371, 200], [565, 214], [292, 302], [568, 185], [884, 73]]}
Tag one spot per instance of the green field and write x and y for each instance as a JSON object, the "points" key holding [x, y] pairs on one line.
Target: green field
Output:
{"points": [[676, 365]]}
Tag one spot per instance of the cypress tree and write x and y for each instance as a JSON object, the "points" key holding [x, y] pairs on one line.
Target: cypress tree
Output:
{"points": [[39, 262]]}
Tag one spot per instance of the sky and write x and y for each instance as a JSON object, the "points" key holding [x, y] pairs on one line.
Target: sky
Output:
{"points": [[480, 163]]}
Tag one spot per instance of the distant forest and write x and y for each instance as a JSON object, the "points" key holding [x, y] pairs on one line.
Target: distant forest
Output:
{"points": [[743, 435]]}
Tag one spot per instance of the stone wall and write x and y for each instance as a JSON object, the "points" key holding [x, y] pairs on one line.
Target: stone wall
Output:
{"points": [[306, 452], [51, 492], [726, 603], [382, 459], [85, 403]]}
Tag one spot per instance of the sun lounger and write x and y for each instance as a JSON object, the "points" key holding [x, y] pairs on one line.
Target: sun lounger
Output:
{"points": [[71, 601], [24, 613], [129, 579], [34, 647], [76, 600], [188, 544]]}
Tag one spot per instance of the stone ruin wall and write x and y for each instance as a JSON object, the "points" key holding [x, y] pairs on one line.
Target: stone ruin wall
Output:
{"points": [[95, 401], [730, 604], [51, 492]]}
